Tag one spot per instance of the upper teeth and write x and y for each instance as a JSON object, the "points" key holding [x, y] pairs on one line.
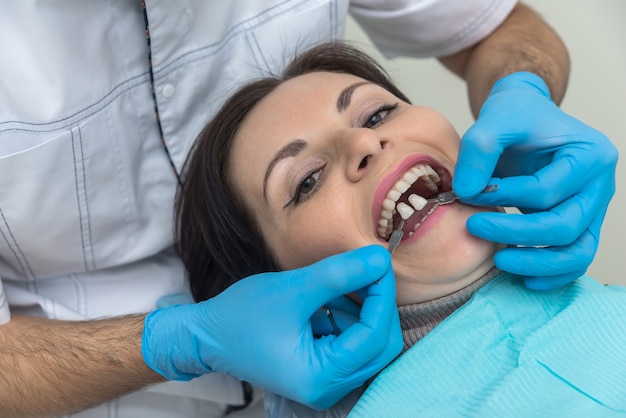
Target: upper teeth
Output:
{"points": [[391, 205]]}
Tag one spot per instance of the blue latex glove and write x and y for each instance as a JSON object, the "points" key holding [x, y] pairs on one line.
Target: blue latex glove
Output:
{"points": [[345, 313], [558, 171], [259, 330]]}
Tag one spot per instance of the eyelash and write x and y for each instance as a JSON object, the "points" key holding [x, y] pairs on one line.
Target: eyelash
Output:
{"points": [[387, 109], [299, 196]]}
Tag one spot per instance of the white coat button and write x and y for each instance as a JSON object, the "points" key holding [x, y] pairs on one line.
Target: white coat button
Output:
{"points": [[168, 91]]}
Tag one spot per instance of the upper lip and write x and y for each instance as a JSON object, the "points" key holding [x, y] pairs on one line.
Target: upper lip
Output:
{"points": [[395, 174]]}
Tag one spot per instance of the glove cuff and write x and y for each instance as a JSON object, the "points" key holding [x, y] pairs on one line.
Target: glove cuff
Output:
{"points": [[161, 348], [521, 79]]}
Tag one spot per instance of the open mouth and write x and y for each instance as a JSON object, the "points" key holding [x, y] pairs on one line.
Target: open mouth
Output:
{"points": [[408, 198]]}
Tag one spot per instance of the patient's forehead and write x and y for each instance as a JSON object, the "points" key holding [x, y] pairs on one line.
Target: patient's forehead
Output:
{"points": [[295, 104], [300, 101], [310, 87]]}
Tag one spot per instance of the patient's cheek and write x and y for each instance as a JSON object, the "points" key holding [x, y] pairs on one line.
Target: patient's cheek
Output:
{"points": [[296, 256], [304, 252]]}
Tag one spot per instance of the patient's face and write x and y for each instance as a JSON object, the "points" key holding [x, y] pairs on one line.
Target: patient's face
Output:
{"points": [[320, 162]]}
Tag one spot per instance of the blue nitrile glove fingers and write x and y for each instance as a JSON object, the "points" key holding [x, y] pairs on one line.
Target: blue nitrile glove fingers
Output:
{"points": [[542, 266], [554, 168], [259, 330]]}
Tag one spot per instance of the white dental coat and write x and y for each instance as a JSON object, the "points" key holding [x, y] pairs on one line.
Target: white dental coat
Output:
{"points": [[86, 188]]}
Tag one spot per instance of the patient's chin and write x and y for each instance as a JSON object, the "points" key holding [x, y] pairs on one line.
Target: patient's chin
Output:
{"points": [[416, 288], [458, 261]]}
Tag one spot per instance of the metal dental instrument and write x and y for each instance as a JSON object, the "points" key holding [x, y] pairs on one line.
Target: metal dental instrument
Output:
{"points": [[333, 323], [395, 238], [444, 198], [449, 197]]}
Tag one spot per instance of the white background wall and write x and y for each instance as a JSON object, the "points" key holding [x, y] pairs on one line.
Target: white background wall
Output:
{"points": [[595, 34]]}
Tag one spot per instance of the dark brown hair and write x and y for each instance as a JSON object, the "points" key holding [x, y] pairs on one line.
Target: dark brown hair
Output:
{"points": [[216, 235]]}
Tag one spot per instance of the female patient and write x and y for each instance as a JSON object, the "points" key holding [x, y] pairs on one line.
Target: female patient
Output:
{"points": [[330, 156]]}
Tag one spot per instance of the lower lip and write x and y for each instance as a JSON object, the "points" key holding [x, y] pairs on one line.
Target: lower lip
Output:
{"points": [[432, 220]]}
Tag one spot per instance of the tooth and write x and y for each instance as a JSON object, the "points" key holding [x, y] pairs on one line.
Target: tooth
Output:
{"points": [[405, 210], [433, 174], [418, 202], [386, 214], [383, 223], [430, 182], [418, 170], [394, 195], [382, 232], [402, 186], [410, 177], [389, 204]]}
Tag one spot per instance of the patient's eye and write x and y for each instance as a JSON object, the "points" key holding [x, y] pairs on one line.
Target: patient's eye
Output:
{"points": [[306, 187], [308, 184], [379, 116]]}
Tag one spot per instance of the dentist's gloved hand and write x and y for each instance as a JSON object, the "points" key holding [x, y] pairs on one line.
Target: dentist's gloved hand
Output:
{"points": [[259, 330], [558, 171]]}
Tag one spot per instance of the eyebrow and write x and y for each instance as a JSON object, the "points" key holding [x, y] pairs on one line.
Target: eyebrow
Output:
{"points": [[290, 150], [343, 101]]}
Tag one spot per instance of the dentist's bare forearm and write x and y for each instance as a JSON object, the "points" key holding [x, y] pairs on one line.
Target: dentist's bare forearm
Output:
{"points": [[52, 368], [524, 42]]}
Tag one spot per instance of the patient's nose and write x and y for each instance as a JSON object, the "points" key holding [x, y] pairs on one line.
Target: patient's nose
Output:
{"points": [[362, 148]]}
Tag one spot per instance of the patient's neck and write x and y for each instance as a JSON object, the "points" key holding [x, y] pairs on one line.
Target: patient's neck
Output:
{"points": [[418, 319]]}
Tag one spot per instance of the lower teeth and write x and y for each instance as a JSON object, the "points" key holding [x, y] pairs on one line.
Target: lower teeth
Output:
{"points": [[404, 210]]}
